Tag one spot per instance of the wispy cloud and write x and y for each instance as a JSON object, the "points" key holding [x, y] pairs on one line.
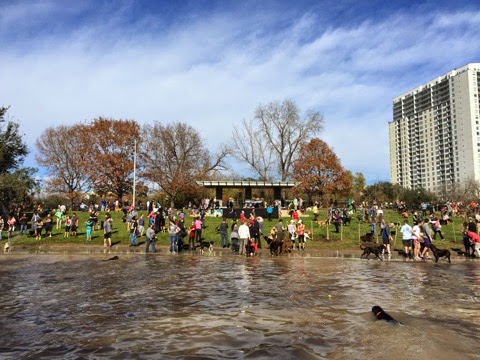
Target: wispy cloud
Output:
{"points": [[211, 69]]}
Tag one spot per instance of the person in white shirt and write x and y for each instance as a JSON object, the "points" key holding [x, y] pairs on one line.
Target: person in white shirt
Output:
{"points": [[406, 231], [243, 235]]}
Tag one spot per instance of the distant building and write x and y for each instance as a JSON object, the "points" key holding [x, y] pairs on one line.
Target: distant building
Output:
{"points": [[435, 133]]}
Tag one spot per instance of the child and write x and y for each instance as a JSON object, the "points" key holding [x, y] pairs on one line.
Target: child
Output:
{"points": [[191, 237], [88, 229], [38, 227], [68, 224]]}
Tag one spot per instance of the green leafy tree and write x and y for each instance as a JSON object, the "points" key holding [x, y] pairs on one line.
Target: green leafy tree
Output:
{"points": [[16, 183], [12, 148]]}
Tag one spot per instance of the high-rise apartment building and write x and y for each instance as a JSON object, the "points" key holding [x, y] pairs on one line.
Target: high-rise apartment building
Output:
{"points": [[435, 132]]}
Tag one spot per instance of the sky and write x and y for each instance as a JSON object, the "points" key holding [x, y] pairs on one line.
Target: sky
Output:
{"points": [[212, 63]]}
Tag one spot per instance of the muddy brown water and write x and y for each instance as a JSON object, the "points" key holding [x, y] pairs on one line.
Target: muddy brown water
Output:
{"points": [[304, 306]]}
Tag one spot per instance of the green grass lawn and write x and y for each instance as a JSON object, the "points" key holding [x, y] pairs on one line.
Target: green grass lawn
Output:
{"points": [[321, 238]]}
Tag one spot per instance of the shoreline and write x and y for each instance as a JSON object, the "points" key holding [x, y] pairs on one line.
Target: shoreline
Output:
{"points": [[127, 250]]}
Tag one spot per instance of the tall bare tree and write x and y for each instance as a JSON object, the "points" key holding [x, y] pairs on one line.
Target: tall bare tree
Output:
{"points": [[174, 156], [60, 151], [269, 143]]}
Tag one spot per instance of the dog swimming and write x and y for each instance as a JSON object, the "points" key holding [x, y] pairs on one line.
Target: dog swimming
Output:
{"points": [[380, 314]]}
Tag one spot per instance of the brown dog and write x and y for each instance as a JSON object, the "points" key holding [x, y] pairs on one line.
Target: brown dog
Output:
{"points": [[440, 253], [321, 223]]}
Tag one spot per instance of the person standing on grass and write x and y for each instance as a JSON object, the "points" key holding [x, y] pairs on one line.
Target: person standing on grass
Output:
{"points": [[38, 227], [198, 229], [59, 215], [107, 232], [48, 226], [315, 211], [34, 219], [416, 235], [173, 231], [133, 232], [223, 229], [427, 239], [301, 235], [244, 236], [12, 224], [234, 236], [74, 225], [437, 228], [141, 225], [88, 229], [68, 224], [386, 237], [269, 212], [23, 224], [280, 233], [406, 231]]}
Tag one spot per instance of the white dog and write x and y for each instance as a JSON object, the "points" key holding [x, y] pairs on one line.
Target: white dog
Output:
{"points": [[6, 247]]}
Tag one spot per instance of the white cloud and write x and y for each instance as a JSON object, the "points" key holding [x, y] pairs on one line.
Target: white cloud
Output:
{"points": [[212, 71]]}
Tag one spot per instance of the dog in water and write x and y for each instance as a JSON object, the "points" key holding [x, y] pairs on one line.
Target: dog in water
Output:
{"points": [[274, 245], [6, 247], [380, 314], [206, 245], [371, 248], [440, 253]]}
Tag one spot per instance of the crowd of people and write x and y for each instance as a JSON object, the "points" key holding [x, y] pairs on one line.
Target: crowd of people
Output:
{"points": [[244, 235]]}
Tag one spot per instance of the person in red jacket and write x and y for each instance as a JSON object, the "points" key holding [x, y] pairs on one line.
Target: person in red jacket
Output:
{"points": [[475, 241]]}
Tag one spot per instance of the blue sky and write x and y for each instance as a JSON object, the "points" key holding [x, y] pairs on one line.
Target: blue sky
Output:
{"points": [[211, 63]]}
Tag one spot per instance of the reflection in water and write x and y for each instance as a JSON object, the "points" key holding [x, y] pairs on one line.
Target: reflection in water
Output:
{"points": [[235, 307]]}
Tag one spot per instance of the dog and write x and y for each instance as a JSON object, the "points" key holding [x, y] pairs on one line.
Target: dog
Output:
{"points": [[286, 245], [6, 247], [273, 245], [206, 245], [380, 314], [346, 220], [440, 253], [367, 237], [321, 223], [371, 248]]}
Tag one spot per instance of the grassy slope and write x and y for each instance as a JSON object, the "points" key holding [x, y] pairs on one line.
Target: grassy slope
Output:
{"points": [[347, 239]]}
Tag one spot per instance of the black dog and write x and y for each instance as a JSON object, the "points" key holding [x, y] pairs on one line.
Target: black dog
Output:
{"points": [[273, 245], [438, 253], [346, 220], [367, 237], [206, 245], [380, 314], [371, 248]]}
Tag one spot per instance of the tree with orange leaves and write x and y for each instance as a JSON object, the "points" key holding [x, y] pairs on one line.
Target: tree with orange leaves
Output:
{"points": [[319, 170], [109, 148]]}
